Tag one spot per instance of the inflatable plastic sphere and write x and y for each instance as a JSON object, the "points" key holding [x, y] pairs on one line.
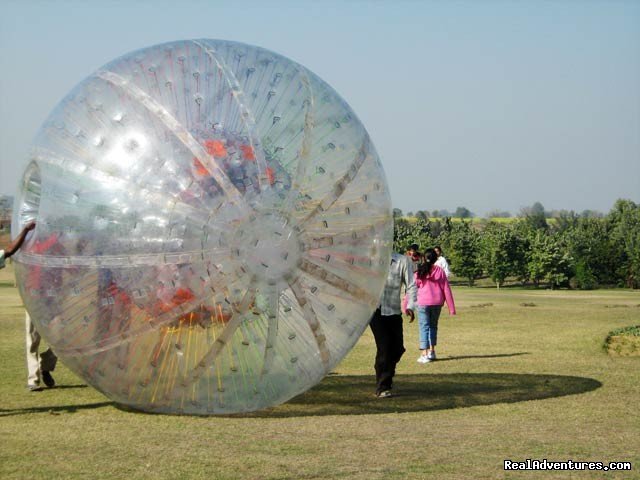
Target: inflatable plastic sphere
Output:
{"points": [[213, 229]]}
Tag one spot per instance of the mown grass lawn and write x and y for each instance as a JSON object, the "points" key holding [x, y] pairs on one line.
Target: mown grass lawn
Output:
{"points": [[522, 375]]}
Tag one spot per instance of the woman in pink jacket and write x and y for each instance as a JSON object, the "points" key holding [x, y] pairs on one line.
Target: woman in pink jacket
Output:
{"points": [[433, 290]]}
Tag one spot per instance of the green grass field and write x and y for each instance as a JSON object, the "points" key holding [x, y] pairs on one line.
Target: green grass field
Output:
{"points": [[522, 375]]}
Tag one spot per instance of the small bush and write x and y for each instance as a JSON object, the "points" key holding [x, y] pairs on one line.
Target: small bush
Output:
{"points": [[623, 341], [633, 330]]}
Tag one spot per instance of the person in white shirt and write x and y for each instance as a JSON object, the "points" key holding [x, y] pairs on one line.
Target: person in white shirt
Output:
{"points": [[442, 262]]}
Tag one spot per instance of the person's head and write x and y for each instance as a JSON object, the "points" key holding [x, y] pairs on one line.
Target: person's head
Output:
{"points": [[438, 250], [428, 262], [430, 255], [414, 252]]}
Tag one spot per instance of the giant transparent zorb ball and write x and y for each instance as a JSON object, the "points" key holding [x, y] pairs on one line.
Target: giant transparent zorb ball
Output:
{"points": [[213, 228]]}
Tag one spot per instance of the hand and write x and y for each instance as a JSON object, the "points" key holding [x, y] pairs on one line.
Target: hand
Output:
{"points": [[30, 226], [411, 315]]}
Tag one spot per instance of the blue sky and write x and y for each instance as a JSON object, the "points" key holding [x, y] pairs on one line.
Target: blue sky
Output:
{"points": [[482, 104]]}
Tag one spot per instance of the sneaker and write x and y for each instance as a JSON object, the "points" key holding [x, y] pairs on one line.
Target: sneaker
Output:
{"points": [[34, 388], [423, 359], [48, 379], [384, 394], [431, 355]]}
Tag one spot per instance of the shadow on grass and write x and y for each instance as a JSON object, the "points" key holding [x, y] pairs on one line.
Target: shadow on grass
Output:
{"points": [[62, 387], [493, 355], [53, 410], [353, 394]]}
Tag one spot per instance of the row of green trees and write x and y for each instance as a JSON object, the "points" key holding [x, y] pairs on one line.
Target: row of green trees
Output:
{"points": [[572, 251]]}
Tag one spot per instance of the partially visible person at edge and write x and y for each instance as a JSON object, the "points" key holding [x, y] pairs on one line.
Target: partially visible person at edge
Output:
{"points": [[37, 366], [433, 290], [442, 262], [16, 244], [386, 323]]}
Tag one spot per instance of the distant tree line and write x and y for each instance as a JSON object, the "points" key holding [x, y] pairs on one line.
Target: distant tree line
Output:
{"points": [[574, 250], [464, 212], [460, 212]]}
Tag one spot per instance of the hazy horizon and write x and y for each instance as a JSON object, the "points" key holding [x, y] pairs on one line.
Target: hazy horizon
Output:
{"points": [[487, 105]]}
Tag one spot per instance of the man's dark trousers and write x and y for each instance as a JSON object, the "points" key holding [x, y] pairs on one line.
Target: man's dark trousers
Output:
{"points": [[387, 331]]}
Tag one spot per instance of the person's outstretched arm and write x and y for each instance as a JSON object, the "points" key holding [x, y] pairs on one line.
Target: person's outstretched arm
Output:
{"points": [[19, 240]]}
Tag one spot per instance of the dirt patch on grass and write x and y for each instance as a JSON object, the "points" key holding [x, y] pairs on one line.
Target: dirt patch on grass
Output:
{"points": [[624, 342], [623, 346]]}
